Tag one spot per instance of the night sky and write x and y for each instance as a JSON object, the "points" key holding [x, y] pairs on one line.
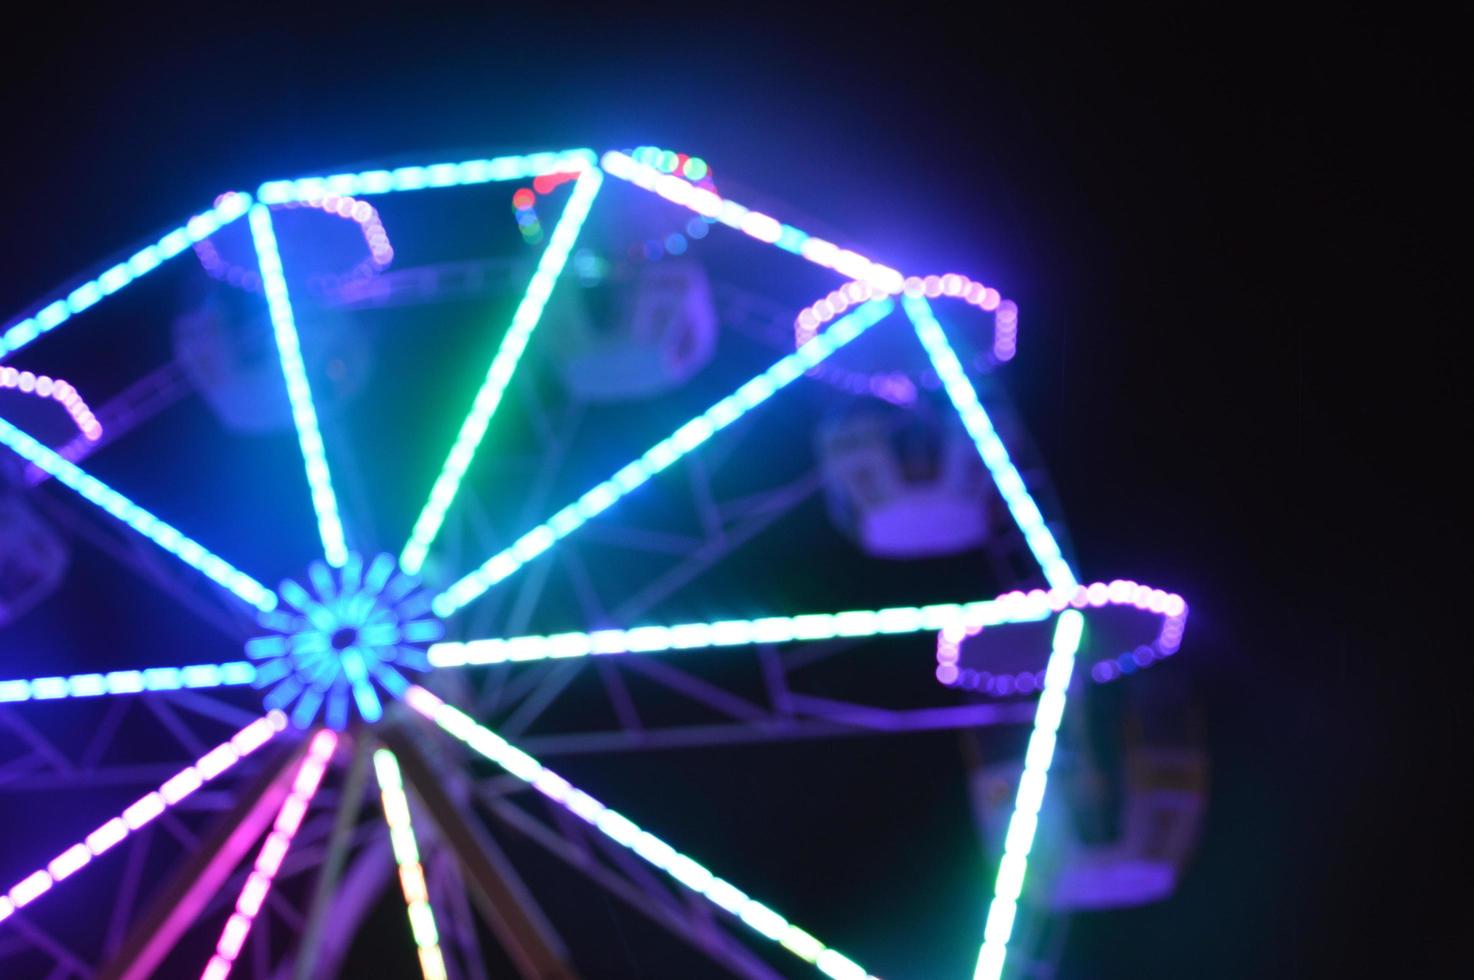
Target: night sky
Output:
{"points": [[1217, 277]]}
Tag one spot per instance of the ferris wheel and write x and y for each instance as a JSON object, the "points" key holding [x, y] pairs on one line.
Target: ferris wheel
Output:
{"points": [[647, 362]]}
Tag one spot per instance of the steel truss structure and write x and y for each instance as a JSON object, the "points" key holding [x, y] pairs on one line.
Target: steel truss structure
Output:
{"points": [[363, 671]]}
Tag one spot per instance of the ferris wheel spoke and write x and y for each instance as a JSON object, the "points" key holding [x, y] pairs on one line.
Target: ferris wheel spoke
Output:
{"points": [[660, 456], [964, 397], [1061, 663], [1015, 607], [90, 292], [758, 917], [411, 871], [147, 809], [524, 320], [172, 540], [268, 861], [117, 682], [752, 223], [299, 391]]}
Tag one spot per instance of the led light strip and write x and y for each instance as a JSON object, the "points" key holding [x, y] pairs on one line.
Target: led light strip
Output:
{"points": [[407, 857], [422, 178], [1121, 592], [1061, 664], [764, 228], [524, 321], [187, 550], [1025, 820], [170, 792], [952, 285], [1005, 475], [1016, 607], [128, 682], [59, 391], [758, 917], [309, 436], [268, 861], [362, 213], [48, 318], [689, 436]]}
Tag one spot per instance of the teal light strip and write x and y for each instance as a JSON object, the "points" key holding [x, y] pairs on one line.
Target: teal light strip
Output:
{"points": [[1030, 797], [299, 392], [93, 490], [503, 365], [418, 178], [142, 262], [995, 455], [689, 436], [194, 676], [1014, 608]]}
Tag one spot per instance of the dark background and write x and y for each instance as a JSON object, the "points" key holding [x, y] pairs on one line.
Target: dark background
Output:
{"points": [[1216, 232]]}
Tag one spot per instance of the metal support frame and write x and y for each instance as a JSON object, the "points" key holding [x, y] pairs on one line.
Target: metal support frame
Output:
{"points": [[504, 901], [175, 907], [349, 806]]}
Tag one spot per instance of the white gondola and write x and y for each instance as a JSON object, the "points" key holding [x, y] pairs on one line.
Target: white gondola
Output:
{"points": [[226, 347], [33, 558], [904, 483], [1163, 797], [656, 334]]}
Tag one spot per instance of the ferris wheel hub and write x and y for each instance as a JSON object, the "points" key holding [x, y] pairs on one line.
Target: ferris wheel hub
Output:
{"points": [[341, 640]]}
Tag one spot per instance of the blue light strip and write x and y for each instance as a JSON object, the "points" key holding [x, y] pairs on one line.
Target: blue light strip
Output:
{"points": [[49, 317], [1067, 634], [1025, 820], [995, 455], [234, 673], [186, 549], [309, 436], [425, 177], [514, 342], [665, 452], [1013, 608]]}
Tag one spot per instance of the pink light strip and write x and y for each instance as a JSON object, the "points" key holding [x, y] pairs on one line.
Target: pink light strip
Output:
{"points": [[268, 862], [1169, 605], [364, 214], [58, 391], [148, 808], [952, 285]]}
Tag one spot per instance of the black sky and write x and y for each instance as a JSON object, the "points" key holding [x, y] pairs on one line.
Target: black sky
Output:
{"points": [[1213, 227]]}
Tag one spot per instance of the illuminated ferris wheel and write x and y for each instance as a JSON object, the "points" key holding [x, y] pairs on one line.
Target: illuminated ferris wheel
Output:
{"points": [[657, 375]]}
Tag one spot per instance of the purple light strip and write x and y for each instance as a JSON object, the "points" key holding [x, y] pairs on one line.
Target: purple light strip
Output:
{"points": [[171, 791], [618, 828], [1170, 606], [58, 391], [364, 214], [268, 861]]}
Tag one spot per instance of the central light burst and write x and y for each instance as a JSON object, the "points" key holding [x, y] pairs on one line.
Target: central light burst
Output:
{"points": [[335, 642]]}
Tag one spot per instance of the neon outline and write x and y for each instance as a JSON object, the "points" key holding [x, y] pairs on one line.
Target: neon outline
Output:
{"points": [[503, 365]]}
